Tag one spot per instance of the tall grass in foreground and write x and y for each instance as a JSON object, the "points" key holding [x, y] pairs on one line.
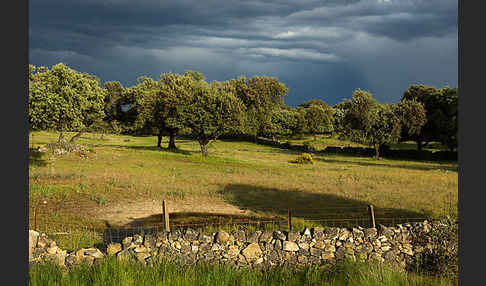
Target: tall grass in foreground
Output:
{"points": [[113, 272]]}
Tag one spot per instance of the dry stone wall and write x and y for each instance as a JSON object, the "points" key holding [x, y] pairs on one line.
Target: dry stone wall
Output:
{"points": [[259, 249]]}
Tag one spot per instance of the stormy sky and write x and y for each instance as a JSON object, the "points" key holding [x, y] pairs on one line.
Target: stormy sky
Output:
{"points": [[319, 49]]}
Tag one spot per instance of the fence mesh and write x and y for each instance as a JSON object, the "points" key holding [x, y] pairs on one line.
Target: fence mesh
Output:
{"points": [[75, 233]]}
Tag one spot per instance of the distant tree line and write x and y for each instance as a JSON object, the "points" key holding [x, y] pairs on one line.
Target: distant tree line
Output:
{"points": [[63, 99]]}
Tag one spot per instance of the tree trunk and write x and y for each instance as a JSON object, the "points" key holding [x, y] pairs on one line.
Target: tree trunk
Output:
{"points": [[61, 136], [383, 149], [377, 152], [76, 137], [419, 145], [172, 136], [159, 140], [315, 137], [204, 148]]}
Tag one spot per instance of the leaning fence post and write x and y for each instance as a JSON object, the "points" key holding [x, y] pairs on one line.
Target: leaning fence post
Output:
{"points": [[372, 215], [290, 220], [165, 215]]}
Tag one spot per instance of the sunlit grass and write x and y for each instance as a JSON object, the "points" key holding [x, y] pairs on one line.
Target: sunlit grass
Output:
{"points": [[123, 169], [110, 271]]}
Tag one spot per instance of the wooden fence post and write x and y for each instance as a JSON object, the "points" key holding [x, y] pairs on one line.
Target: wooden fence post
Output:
{"points": [[165, 212], [290, 220], [372, 215], [35, 220]]}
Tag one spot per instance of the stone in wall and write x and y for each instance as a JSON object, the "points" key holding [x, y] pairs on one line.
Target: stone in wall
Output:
{"points": [[33, 236]]}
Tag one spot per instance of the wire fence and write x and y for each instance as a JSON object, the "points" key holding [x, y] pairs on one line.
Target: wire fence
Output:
{"points": [[75, 233]]}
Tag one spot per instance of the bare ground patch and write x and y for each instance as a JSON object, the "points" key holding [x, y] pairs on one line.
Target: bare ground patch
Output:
{"points": [[132, 214]]}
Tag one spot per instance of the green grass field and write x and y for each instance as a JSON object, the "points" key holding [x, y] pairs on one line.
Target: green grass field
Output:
{"points": [[123, 180], [112, 272]]}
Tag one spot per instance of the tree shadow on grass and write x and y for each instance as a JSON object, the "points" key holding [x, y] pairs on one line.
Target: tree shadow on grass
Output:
{"points": [[307, 205], [155, 148], [165, 149], [283, 151], [378, 164]]}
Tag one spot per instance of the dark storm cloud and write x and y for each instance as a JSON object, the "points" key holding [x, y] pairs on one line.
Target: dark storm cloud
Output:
{"points": [[317, 48], [397, 19]]}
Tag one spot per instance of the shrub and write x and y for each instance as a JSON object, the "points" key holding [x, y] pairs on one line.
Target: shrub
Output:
{"points": [[37, 158], [442, 259], [286, 144], [309, 146], [304, 158]]}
